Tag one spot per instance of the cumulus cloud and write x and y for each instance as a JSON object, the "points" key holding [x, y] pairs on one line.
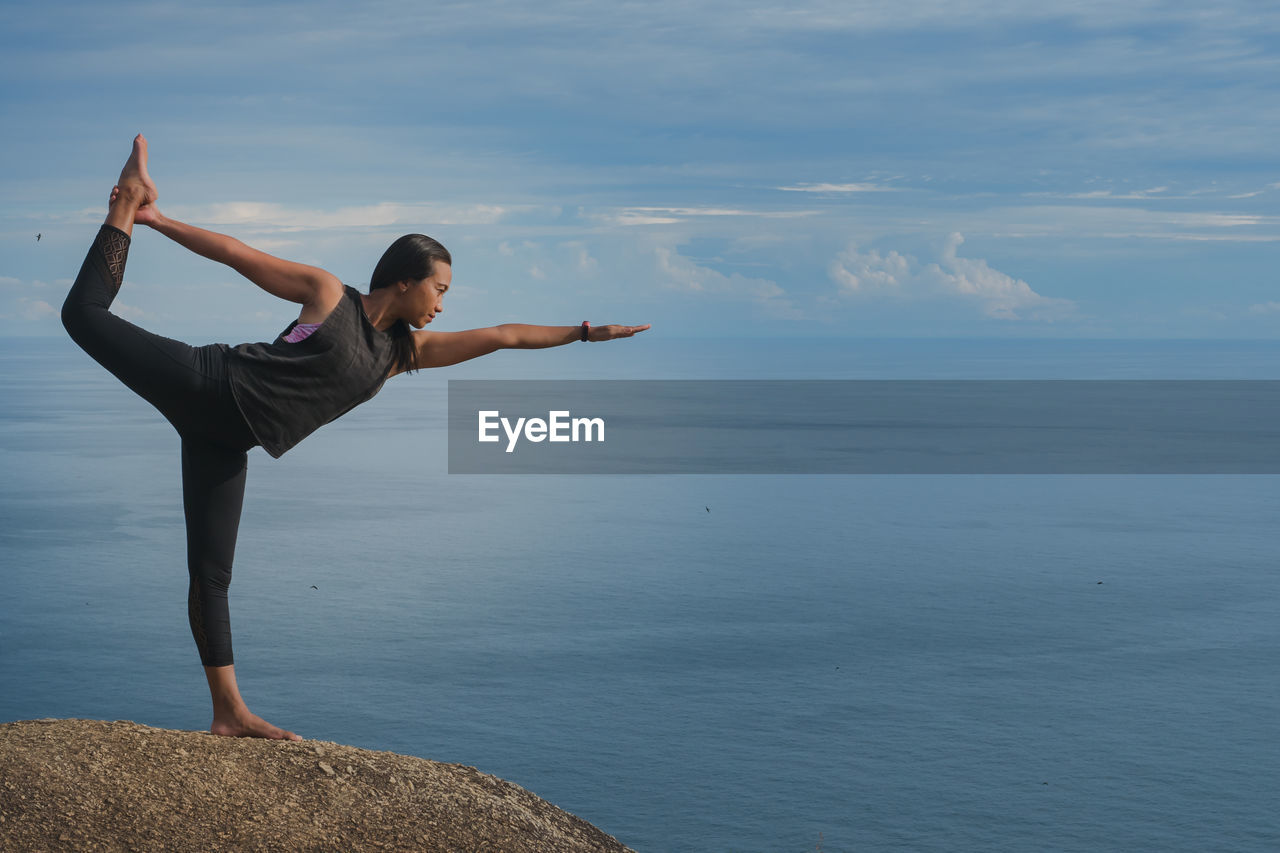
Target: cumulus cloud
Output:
{"points": [[35, 309], [681, 273], [29, 300], [997, 294]]}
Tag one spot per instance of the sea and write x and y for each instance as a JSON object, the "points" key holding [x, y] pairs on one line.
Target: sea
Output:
{"points": [[692, 663]]}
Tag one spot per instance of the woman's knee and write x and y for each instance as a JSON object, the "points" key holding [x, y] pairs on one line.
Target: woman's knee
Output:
{"points": [[88, 325], [77, 318]]}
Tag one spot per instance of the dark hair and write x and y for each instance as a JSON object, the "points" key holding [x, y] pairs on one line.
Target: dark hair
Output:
{"points": [[411, 258]]}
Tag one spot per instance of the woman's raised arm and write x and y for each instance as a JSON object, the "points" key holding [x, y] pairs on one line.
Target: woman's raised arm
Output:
{"points": [[441, 349], [295, 282]]}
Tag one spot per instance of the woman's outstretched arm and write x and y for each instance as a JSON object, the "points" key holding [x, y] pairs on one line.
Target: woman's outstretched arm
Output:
{"points": [[441, 349], [286, 279]]}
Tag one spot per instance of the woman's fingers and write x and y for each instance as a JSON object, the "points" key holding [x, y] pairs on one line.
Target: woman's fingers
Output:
{"points": [[612, 332]]}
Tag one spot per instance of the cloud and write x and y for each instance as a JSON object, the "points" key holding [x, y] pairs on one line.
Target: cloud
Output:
{"points": [[838, 188], [1113, 222], [1195, 238], [130, 312], [583, 262], [1109, 195], [1001, 296], [864, 273], [1264, 308], [1275, 186], [631, 218], [274, 245], [28, 304], [681, 273], [672, 215], [279, 217], [35, 309], [725, 211]]}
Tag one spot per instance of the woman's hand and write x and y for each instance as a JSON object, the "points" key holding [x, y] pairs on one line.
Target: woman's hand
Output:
{"points": [[147, 214], [609, 333]]}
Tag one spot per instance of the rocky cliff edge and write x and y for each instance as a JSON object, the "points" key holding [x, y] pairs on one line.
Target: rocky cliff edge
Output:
{"points": [[92, 785]]}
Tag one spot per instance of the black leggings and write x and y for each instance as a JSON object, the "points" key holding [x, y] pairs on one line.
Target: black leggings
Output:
{"points": [[190, 387]]}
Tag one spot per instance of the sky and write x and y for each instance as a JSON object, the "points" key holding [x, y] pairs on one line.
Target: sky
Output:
{"points": [[973, 168]]}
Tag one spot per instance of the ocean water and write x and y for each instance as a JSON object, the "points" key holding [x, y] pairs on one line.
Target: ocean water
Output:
{"points": [[837, 663]]}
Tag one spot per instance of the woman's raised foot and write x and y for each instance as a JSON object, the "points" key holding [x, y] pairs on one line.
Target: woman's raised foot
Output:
{"points": [[134, 178], [246, 724]]}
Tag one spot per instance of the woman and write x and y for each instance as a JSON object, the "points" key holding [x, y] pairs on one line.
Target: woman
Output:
{"points": [[224, 400]]}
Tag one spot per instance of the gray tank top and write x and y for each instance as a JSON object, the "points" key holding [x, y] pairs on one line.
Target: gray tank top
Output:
{"points": [[286, 391]]}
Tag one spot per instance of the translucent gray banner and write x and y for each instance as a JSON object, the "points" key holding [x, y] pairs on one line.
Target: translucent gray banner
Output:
{"points": [[864, 427]]}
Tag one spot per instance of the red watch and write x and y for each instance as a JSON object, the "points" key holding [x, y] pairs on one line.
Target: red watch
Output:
{"points": [[586, 329]]}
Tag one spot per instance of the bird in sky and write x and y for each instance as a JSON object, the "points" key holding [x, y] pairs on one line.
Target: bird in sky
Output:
{"points": [[38, 238]]}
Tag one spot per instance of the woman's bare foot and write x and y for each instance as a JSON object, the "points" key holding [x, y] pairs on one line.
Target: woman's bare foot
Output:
{"points": [[245, 724], [231, 716], [147, 214], [133, 198], [134, 178]]}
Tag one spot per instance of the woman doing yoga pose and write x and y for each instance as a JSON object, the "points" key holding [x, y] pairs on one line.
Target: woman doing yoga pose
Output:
{"points": [[224, 400]]}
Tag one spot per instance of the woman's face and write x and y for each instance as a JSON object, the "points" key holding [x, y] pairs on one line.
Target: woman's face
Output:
{"points": [[425, 298]]}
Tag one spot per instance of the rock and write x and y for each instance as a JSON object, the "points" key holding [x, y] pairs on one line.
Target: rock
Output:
{"points": [[132, 787]]}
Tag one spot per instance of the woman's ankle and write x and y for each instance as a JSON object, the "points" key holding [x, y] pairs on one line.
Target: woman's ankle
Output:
{"points": [[120, 214]]}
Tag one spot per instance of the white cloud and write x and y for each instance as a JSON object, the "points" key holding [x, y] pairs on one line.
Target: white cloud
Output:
{"points": [[1274, 186], [274, 245], [681, 273], [1264, 308], [35, 309], [670, 215], [1119, 222], [1194, 238], [998, 294], [130, 312], [863, 273], [279, 217], [838, 188], [583, 262], [1110, 195], [721, 211], [636, 219]]}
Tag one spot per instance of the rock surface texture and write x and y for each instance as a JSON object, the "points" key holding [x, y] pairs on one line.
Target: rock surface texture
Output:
{"points": [[91, 785]]}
